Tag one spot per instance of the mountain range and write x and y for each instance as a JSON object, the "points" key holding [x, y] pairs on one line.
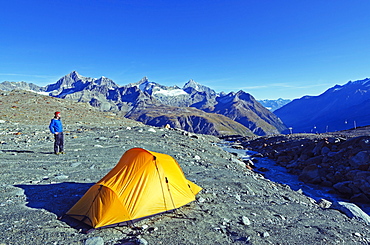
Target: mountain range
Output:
{"points": [[273, 105], [195, 108], [338, 108]]}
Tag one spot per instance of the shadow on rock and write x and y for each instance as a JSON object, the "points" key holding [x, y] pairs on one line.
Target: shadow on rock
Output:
{"points": [[18, 151], [56, 198]]}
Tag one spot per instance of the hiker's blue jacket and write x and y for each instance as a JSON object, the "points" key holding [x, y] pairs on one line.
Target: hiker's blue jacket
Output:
{"points": [[55, 126]]}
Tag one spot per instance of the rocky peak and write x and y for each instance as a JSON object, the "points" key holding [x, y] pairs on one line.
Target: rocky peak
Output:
{"points": [[9, 86], [192, 87], [226, 98], [191, 83], [103, 81], [144, 80], [74, 75], [241, 95]]}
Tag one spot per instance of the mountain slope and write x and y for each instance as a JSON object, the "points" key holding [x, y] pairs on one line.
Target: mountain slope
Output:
{"points": [[243, 108], [338, 108], [240, 107], [187, 118]]}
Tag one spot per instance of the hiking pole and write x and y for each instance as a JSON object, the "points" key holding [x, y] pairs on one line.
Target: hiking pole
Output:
{"points": [[173, 204]]}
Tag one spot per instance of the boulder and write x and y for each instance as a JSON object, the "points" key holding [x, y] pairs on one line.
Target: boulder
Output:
{"points": [[314, 160], [344, 187], [323, 203], [283, 160], [364, 187], [304, 156], [311, 174], [325, 150], [360, 198], [361, 158], [339, 177], [318, 148]]}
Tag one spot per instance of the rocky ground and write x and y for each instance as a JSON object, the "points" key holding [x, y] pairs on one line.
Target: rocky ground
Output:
{"points": [[339, 160], [236, 205]]}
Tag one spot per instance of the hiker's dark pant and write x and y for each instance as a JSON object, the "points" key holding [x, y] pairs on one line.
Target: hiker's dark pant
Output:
{"points": [[58, 142]]}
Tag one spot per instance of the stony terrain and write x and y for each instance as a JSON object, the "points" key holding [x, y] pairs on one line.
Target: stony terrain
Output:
{"points": [[338, 160], [236, 205]]}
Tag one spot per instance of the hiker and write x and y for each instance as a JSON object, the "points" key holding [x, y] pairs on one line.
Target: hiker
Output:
{"points": [[56, 128]]}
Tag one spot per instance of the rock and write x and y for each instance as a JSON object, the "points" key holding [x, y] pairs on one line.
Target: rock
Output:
{"points": [[75, 164], [249, 162], [201, 199], [237, 146], [257, 155], [361, 198], [311, 174], [94, 241], [325, 150], [324, 203], [280, 216], [196, 157], [263, 169], [332, 154], [338, 176], [361, 158], [352, 211], [327, 183], [343, 187], [294, 164], [246, 221], [314, 160], [236, 161], [142, 241], [284, 159], [61, 177]]}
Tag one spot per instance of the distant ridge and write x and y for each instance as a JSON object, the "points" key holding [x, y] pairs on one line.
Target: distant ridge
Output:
{"points": [[273, 105], [338, 108]]}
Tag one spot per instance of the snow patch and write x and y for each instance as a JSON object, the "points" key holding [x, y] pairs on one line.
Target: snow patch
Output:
{"points": [[337, 89], [174, 92], [143, 86], [43, 93]]}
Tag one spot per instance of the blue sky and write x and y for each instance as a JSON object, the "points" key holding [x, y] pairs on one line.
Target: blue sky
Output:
{"points": [[270, 49]]}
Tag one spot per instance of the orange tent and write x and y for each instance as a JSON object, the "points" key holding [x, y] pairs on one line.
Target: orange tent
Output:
{"points": [[142, 184]]}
